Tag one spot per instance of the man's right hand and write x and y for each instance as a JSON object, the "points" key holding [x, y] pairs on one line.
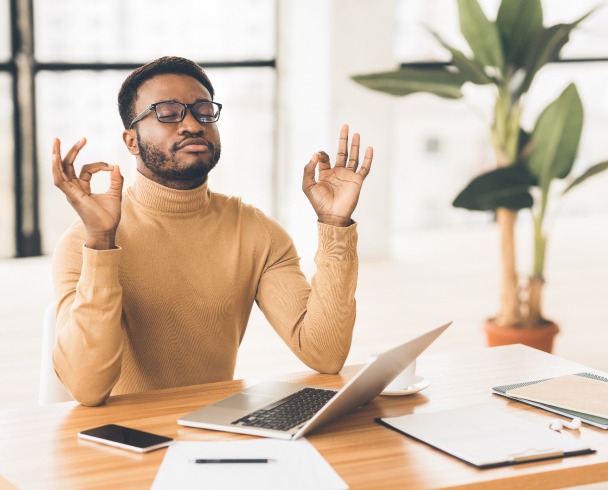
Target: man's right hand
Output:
{"points": [[100, 213]]}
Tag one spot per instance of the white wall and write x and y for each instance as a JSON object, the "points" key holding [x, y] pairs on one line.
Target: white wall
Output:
{"points": [[322, 44]]}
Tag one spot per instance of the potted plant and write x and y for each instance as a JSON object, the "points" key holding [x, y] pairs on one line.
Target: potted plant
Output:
{"points": [[506, 54]]}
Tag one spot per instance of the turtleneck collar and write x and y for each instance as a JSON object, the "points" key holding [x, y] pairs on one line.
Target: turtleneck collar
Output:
{"points": [[156, 196]]}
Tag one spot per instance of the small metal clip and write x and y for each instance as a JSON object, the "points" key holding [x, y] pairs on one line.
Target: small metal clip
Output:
{"points": [[534, 454]]}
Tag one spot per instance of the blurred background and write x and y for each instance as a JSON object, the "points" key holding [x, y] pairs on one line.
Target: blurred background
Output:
{"points": [[282, 71]]}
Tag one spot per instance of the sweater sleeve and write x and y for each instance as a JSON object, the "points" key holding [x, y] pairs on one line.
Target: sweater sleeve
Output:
{"points": [[316, 321], [89, 338]]}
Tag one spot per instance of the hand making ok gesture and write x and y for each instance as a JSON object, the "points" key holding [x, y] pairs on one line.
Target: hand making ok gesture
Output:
{"points": [[335, 195], [100, 213]]}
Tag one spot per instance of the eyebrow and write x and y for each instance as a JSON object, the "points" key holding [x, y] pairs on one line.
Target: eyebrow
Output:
{"points": [[197, 100]]}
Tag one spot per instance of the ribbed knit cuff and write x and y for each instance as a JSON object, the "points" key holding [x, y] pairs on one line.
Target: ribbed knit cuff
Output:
{"points": [[338, 242], [100, 267]]}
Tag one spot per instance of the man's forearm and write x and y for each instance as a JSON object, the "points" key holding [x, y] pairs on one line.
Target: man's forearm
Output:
{"points": [[87, 355], [317, 323]]}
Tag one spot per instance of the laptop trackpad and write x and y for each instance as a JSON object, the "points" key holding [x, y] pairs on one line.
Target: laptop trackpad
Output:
{"points": [[247, 402]]}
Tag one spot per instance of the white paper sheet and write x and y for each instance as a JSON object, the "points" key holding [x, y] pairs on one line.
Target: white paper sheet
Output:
{"points": [[293, 465]]}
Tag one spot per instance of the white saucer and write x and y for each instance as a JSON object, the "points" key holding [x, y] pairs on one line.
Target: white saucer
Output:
{"points": [[414, 385]]}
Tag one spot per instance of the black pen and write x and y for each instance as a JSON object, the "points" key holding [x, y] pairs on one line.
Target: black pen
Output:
{"points": [[218, 461]]}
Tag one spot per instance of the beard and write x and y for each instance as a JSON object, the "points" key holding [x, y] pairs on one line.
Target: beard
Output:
{"points": [[166, 165]]}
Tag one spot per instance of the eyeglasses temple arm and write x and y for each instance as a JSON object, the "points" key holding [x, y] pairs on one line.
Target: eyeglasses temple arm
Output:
{"points": [[140, 117]]}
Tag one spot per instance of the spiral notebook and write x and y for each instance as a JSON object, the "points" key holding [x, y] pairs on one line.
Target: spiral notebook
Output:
{"points": [[560, 399]]}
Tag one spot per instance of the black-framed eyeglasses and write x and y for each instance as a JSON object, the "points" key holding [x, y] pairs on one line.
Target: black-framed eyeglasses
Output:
{"points": [[169, 111]]}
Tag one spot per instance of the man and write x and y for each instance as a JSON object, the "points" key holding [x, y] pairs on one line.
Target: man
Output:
{"points": [[155, 286]]}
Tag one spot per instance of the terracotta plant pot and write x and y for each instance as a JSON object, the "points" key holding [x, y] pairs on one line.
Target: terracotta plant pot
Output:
{"points": [[540, 338]]}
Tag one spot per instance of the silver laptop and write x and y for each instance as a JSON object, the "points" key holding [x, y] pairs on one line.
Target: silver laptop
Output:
{"points": [[290, 410]]}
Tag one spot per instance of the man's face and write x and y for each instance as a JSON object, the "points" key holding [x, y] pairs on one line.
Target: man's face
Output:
{"points": [[178, 155]]}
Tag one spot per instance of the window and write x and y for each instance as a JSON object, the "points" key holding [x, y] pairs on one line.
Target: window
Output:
{"points": [[7, 203], [83, 52], [115, 30], [5, 32]]}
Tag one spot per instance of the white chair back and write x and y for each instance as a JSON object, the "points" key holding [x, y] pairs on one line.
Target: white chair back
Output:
{"points": [[51, 390]]}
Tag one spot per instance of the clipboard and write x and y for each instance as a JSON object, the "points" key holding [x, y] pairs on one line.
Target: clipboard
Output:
{"points": [[487, 436]]}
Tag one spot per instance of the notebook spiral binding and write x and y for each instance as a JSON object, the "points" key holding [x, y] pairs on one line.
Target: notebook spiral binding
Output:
{"points": [[505, 388]]}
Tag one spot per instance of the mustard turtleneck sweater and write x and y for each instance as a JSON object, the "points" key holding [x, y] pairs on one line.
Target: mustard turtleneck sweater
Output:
{"points": [[170, 306]]}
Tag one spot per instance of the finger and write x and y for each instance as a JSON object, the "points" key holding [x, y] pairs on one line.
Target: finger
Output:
{"points": [[324, 163], [59, 175], [70, 157], [308, 179], [342, 147], [367, 162], [87, 171], [353, 160], [116, 182]]}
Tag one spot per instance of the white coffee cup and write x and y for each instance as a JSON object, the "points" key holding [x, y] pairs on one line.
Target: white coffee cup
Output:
{"points": [[403, 379]]}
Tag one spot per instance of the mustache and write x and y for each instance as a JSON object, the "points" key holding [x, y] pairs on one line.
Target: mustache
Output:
{"points": [[193, 140]]}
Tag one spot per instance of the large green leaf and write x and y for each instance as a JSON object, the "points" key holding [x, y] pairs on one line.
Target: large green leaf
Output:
{"points": [[504, 187], [481, 34], [590, 172], [546, 47], [519, 22], [435, 80], [555, 138], [471, 70]]}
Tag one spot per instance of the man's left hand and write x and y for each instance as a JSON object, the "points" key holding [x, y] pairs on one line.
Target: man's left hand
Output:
{"points": [[335, 195]]}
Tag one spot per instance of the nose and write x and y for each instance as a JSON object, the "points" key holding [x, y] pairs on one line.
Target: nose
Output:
{"points": [[191, 124]]}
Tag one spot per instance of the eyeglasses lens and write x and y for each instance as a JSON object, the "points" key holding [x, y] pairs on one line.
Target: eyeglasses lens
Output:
{"points": [[169, 112], [205, 111]]}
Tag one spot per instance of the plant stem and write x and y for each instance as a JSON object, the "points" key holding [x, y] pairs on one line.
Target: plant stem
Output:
{"points": [[536, 281], [540, 237], [505, 134], [509, 302], [540, 246], [534, 313]]}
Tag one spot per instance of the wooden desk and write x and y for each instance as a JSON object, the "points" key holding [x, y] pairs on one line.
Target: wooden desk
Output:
{"points": [[39, 448]]}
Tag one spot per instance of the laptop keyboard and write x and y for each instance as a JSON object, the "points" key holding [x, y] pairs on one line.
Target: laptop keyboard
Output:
{"points": [[288, 412]]}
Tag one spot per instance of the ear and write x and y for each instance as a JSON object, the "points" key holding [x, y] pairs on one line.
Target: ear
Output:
{"points": [[130, 139]]}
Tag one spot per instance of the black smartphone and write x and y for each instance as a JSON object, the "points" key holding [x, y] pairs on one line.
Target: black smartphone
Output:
{"points": [[125, 438]]}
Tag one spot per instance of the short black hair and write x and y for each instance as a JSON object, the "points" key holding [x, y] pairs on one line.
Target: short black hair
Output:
{"points": [[165, 65]]}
